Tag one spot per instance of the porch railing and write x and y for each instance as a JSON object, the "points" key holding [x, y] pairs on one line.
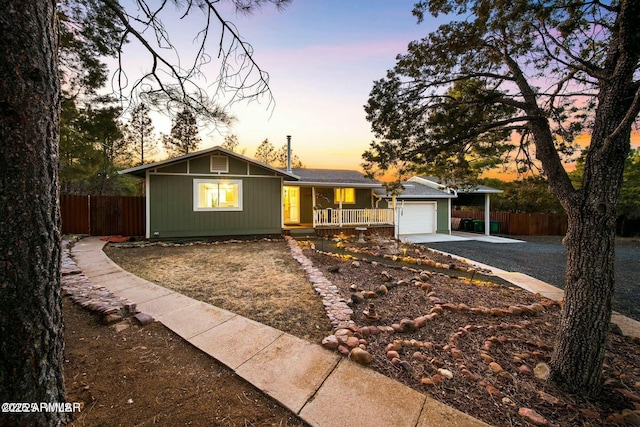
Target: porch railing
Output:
{"points": [[352, 217]]}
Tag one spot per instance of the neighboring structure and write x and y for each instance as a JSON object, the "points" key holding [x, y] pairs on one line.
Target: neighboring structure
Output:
{"points": [[217, 192]]}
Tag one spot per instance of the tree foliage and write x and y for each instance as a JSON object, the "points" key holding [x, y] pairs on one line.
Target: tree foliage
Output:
{"points": [[184, 137], [232, 143], [281, 158], [173, 83], [266, 152], [140, 135], [529, 195], [536, 73]]}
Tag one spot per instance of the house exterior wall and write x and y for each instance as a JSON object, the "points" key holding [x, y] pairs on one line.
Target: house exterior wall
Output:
{"points": [[171, 211], [442, 220], [325, 199]]}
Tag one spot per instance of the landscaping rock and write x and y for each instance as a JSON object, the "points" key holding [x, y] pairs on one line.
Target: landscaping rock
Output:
{"points": [[360, 356], [330, 342], [143, 318], [532, 417], [542, 371]]}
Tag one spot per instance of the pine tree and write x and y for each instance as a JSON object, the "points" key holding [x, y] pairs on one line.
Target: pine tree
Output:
{"points": [[184, 137]]}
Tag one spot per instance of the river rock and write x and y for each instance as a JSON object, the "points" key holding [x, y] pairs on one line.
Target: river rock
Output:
{"points": [[330, 342], [445, 373], [532, 417], [408, 325], [542, 371], [360, 356]]}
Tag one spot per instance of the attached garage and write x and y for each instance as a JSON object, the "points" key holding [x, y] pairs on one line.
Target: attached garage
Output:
{"points": [[420, 210], [416, 218]]}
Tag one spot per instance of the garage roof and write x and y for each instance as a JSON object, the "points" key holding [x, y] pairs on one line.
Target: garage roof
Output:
{"points": [[416, 190]]}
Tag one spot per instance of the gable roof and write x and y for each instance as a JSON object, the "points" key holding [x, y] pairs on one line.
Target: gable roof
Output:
{"points": [[140, 171], [416, 190], [334, 178], [435, 182]]}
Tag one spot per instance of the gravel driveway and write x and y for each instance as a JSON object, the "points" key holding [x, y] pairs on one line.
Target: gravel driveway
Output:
{"points": [[544, 258]]}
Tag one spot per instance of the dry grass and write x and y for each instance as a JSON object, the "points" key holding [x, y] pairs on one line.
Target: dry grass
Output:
{"points": [[258, 280]]}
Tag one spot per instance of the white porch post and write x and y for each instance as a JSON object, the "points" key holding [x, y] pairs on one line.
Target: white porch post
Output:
{"points": [[313, 208], [449, 214], [341, 194], [487, 219]]}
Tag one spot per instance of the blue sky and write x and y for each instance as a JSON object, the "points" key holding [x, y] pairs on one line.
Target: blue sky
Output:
{"points": [[322, 58]]}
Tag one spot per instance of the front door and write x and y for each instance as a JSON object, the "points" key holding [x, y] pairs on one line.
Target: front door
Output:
{"points": [[291, 200]]}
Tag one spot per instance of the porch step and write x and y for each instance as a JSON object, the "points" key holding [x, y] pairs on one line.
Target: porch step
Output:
{"points": [[302, 232]]}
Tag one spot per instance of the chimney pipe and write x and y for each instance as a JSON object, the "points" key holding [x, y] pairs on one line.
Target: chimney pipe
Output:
{"points": [[289, 153]]}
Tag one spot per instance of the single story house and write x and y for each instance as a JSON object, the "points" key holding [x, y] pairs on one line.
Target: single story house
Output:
{"points": [[217, 192], [213, 192]]}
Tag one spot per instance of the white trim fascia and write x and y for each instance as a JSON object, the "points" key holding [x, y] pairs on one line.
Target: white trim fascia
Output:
{"points": [[427, 182], [331, 184]]}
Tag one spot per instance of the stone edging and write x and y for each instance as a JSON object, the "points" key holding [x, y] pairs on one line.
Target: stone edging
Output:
{"points": [[338, 311], [96, 298]]}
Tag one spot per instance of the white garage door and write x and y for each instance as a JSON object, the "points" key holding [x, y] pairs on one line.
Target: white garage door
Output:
{"points": [[416, 218]]}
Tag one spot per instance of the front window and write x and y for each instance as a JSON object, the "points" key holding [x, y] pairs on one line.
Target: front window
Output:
{"points": [[217, 195], [344, 195]]}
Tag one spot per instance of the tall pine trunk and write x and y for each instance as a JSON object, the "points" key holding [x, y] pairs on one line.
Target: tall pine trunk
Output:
{"points": [[31, 330], [576, 362], [589, 284]]}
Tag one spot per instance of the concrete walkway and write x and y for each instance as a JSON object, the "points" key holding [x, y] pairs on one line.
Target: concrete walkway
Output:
{"points": [[321, 387], [455, 236]]}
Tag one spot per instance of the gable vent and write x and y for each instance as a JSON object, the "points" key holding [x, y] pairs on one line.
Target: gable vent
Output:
{"points": [[219, 164]]}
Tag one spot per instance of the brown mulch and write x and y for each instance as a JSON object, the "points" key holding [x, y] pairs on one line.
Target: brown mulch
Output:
{"points": [[490, 355]]}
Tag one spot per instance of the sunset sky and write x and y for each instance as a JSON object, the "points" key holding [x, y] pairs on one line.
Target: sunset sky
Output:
{"points": [[322, 58]]}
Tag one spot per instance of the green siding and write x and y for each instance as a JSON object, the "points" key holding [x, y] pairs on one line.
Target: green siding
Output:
{"points": [[442, 221], [172, 214], [325, 197], [180, 167], [200, 165], [306, 205], [259, 170], [237, 167]]}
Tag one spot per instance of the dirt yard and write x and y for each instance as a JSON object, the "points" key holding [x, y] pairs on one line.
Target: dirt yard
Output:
{"points": [[148, 376], [478, 354]]}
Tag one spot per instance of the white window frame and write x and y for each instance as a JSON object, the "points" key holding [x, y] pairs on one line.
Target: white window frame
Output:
{"points": [[196, 182]]}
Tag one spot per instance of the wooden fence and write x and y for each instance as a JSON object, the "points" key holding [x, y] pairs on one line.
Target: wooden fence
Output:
{"points": [[102, 215], [522, 224], [125, 215]]}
